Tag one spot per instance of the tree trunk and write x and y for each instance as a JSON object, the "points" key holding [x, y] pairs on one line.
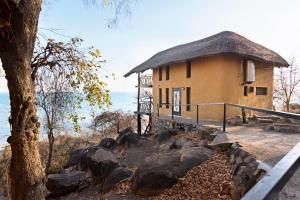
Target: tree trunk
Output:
{"points": [[51, 142], [16, 53]]}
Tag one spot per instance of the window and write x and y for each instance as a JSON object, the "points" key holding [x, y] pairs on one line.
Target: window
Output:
{"points": [[167, 98], [261, 91], [160, 97], [188, 69], [167, 72], [188, 99], [160, 73], [251, 89], [245, 91]]}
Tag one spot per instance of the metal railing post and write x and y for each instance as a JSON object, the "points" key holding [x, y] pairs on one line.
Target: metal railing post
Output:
{"points": [[224, 118], [172, 111], [197, 113]]}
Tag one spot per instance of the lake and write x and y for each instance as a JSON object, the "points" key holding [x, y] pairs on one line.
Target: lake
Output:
{"points": [[120, 100]]}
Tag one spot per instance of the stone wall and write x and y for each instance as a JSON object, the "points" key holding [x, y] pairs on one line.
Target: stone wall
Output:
{"points": [[244, 169]]}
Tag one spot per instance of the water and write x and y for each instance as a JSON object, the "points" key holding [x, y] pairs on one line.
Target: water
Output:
{"points": [[120, 100]]}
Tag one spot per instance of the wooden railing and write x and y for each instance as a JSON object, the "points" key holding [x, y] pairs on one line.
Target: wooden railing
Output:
{"points": [[145, 81]]}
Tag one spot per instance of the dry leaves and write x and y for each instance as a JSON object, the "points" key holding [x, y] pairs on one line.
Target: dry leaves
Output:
{"points": [[209, 181]]}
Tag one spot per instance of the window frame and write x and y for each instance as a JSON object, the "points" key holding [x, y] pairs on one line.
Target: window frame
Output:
{"points": [[261, 91], [160, 97], [160, 73], [188, 66], [167, 90], [168, 72], [188, 99]]}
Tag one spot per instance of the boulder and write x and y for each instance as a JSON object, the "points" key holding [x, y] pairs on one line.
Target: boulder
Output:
{"points": [[108, 143], [286, 128], [116, 176], [235, 121], [75, 157], [163, 171], [207, 132], [63, 184], [78, 157], [154, 176], [181, 143], [127, 137], [101, 164], [165, 134]]}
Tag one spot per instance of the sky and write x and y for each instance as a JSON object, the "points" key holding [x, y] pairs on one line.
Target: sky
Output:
{"points": [[155, 25]]}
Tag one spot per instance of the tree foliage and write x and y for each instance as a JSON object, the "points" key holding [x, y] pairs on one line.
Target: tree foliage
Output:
{"points": [[72, 70], [108, 122], [286, 85]]}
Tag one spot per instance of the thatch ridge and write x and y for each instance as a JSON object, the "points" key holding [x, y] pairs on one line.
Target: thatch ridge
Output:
{"points": [[226, 42]]}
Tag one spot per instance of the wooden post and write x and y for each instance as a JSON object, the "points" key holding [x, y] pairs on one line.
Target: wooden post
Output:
{"points": [[224, 118], [139, 121]]}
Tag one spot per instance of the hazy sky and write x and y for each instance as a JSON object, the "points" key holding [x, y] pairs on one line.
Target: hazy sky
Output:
{"points": [[155, 25]]}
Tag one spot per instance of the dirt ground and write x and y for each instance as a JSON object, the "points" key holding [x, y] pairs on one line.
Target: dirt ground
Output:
{"points": [[269, 147]]}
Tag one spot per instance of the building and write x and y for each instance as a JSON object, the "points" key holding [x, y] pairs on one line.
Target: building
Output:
{"points": [[225, 67]]}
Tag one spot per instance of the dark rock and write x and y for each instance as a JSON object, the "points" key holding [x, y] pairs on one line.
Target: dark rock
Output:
{"points": [[127, 137], [207, 132], [235, 121], [181, 143], [75, 157], [101, 164], [154, 176], [163, 171], [63, 184], [286, 128], [163, 136], [118, 175], [270, 128], [108, 143], [78, 157]]}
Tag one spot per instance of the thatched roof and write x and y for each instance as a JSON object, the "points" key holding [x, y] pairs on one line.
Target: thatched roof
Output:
{"points": [[222, 43]]}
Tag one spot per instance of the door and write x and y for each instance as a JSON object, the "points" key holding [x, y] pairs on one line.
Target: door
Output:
{"points": [[176, 101]]}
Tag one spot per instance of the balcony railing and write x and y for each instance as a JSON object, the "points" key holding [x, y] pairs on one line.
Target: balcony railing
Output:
{"points": [[145, 81]]}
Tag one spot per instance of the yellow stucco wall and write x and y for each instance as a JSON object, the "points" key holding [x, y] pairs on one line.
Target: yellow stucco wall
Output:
{"points": [[213, 79]]}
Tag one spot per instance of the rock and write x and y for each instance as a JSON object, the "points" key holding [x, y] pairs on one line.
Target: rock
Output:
{"points": [[101, 164], [286, 128], [265, 121], [234, 121], [163, 171], [75, 157], [206, 131], [181, 143], [78, 157], [270, 128], [190, 158], [153, 177], [165, 134], [127, 137], [108, 143], [63, 184], [118, 175]]}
